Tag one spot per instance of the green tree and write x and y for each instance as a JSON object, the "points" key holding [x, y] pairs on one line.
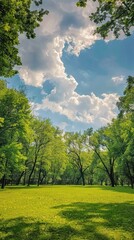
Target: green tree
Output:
{"points": [[43, 134], [78, 155], [112, 15], [15, 116], [105, 143], [126, 124], [57, 156], [126, 102], [127, 148], [17, 17]]}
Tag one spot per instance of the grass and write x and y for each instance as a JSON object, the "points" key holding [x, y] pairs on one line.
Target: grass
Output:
{"points": [[66, 213]]}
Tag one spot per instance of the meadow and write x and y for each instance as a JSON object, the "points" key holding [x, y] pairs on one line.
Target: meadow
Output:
{"points": [[66, 213]]}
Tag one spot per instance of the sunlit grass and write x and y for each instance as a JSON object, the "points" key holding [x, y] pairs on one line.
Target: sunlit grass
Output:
{"points": [[66, 213]]}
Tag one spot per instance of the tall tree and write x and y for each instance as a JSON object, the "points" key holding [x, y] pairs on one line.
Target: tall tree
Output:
{"points": [[127, 147], [78, 154], [15, 117], [43, 134], [126, 119], [105, 144], [17, 17], [112, 15], [57, 157]]}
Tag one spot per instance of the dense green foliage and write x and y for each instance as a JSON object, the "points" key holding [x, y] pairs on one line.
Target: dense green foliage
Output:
{"points": [[33, 151], [17, 17], [66, 213], [112, 15], [15, 121]]}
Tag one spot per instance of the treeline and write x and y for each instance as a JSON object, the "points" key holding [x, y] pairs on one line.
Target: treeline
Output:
{"points": [[33, 151]]}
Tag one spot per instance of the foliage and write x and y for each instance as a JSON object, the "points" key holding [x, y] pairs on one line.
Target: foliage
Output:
{"points": [[33, 151], [126, 124], [104, 145], [112, 15], [17, 17], [126, 102], [14, 127], [42, 136], [58, 159], [77, 153]]}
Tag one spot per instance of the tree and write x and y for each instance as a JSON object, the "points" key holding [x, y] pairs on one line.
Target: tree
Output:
{"points": [[112, 15], [77, 152], [105, 144], [16, 18], [126, 102], [126, 121], [11, 160], [127, 154], [56, 154], [43, 134], [15, 117]]}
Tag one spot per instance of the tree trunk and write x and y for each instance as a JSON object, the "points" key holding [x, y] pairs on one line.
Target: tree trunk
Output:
{"points": [[78, 179], [24, 179], [132, 184], [44, 176], [122, 183], [19, 179], [30, 175], [3, 181], [130, 176], [41, 181], [83, 177], [101, 182], [111, 176], [38, 183], [53, 180]]}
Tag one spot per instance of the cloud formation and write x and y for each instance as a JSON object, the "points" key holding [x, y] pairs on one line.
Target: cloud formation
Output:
{"points": [[118, 79], [42, 60], [63, 99]]}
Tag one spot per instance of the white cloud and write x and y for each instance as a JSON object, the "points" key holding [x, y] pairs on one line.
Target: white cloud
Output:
{"points": [[42, 60], [81, 108], [66, 23], [118, 79]]}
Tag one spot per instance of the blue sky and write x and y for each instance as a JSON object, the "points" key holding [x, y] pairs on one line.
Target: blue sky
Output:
{"points": [[71, 76], [96, 66]]}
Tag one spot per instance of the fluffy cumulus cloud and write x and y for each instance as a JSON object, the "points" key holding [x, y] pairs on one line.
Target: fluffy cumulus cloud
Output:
{"points": [[80, 108], [66, 23], [118, 79], [42, 60]]}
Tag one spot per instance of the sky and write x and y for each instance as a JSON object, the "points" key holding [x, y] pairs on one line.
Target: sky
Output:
{"points": [[69, 74]]}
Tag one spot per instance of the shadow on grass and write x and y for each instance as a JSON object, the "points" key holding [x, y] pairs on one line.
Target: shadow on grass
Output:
{"points": [[124, 189], [31, 229], [85, 221], [22, 187], [94, 216]]}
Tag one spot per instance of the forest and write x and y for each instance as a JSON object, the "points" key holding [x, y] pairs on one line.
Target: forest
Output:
{"points": [[33, 151]]}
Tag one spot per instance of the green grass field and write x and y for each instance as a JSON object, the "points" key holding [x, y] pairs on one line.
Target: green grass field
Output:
{"points": [[66, 213]]}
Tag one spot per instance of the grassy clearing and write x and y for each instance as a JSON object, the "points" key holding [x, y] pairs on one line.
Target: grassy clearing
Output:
{"points": [[66, 213]]}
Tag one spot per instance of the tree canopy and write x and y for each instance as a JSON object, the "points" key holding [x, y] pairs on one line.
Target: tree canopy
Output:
{"points": [[17, 17], [33, 151], [14, 129], [112, 15], [126, 102]]}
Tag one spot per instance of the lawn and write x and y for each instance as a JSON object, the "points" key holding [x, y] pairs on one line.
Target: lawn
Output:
{"points": [[66, 213]]}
